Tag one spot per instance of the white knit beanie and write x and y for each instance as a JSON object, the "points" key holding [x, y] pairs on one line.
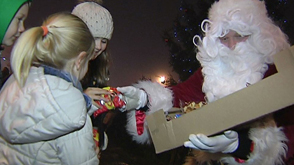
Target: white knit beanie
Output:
{"points": [[97, 18]]}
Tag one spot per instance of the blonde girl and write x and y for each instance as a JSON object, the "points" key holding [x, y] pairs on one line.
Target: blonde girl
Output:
{"points": [[43, 112]]}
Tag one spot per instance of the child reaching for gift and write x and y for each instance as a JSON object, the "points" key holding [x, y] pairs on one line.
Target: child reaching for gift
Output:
{"points": [[43, 114]]}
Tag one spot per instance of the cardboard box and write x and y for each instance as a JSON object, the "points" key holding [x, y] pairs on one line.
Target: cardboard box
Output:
{"points": [[268, 95]]}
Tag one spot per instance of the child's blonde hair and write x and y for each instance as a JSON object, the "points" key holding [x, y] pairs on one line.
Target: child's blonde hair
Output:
{"points": [[67, 36]]}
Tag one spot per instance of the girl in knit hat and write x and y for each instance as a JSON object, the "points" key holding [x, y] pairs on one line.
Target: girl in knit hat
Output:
{"points": [[100, 23], [12, 16]]}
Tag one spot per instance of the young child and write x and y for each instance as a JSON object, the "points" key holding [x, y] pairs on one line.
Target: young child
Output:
{"points": [[43, 112], [12, 16]]}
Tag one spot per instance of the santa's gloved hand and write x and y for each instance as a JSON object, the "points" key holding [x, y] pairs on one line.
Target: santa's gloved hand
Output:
{"points": [[135, 98], [225, 143]]}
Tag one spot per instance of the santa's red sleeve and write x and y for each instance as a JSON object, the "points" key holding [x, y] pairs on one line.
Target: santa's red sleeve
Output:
{"points": [[189, 90]]}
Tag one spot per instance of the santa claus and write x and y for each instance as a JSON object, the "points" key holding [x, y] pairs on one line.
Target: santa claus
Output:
{"points": [[236, 51]]}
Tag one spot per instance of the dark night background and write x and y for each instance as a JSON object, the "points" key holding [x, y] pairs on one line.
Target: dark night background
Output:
{"points": [[136, 47], [141, 28]]}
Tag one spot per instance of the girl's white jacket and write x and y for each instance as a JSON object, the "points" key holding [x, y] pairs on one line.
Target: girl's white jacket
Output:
{"points": [[45, 122]]}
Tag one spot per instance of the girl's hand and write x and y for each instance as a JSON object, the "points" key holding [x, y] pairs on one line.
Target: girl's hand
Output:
{"points": [[96, 93]]}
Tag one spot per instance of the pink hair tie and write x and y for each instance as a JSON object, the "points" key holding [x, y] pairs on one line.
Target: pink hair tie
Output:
{"points": [[45, 30]]}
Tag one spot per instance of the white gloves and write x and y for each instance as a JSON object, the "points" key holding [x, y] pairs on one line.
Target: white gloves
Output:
{"points": [[225, 143], [135, 98]]}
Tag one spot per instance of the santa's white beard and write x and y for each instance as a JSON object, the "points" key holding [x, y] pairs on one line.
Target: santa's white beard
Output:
{"points": [[231, 70]]}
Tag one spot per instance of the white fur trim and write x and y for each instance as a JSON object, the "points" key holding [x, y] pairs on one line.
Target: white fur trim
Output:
{"points": [[159, 98], [269, 147]]}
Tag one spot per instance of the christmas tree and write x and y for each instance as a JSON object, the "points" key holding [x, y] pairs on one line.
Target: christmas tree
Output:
{"points": [[281, 11], [179, 37], [187, 24]]}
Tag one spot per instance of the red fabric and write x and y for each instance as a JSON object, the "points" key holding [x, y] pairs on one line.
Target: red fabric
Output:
{"points": [[242, 160], [284, 118], [140, 118], [99, 112], [191, 91], [115, 102]]}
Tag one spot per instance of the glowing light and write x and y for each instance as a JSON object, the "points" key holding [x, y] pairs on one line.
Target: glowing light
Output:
{"points": [[162, 79]]}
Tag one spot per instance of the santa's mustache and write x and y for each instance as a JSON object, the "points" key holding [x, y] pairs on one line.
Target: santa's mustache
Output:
{"points": [[231, 70], [243, 56]]}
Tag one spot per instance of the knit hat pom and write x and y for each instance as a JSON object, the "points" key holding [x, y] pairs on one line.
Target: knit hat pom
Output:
{"points": [[97, 18]]}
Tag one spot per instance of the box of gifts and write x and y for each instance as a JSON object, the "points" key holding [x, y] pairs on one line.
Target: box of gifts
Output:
{"points": [[267, 96]]}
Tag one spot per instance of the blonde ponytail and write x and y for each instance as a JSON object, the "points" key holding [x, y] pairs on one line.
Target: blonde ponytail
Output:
{"points": [[23, 53], [66, 37]]}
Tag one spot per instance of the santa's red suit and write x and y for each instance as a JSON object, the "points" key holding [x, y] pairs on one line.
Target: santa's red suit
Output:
{"points": [[267, 134], [191, 91], [268, 140]]}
